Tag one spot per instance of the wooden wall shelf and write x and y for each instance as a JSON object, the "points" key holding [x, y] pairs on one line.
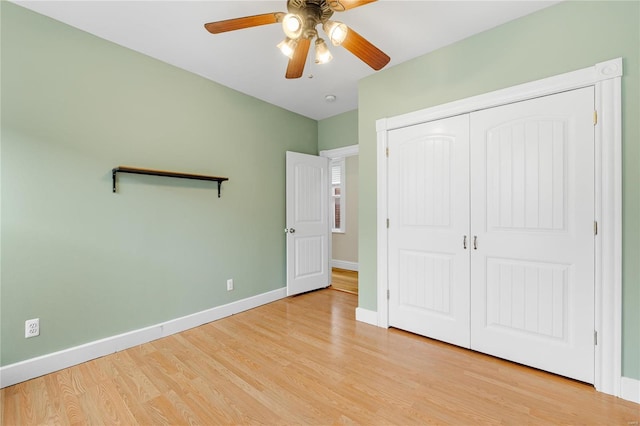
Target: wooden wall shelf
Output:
{"points": [[138, 171]]}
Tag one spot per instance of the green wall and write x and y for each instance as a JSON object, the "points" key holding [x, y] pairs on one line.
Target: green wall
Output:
{"points": [[91, 264], [338, 131], [562, 38]]}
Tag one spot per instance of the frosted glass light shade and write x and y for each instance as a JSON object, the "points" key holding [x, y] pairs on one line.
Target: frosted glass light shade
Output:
{"points": [[292, 25], [287, 47], [323, 55], [337, 31]]}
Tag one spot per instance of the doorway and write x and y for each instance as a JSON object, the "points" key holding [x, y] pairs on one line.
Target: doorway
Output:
{"points": [[344, 217]]}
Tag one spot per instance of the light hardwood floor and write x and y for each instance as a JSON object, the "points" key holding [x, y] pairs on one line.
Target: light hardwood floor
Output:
{"points": [[344, 280], [305, 360]]}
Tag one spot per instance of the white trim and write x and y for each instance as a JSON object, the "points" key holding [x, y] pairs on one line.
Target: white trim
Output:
{"points": [[630, 389], [547, 86], [608, 256], [346, 151], [366, 316], [344, 264], [606, 77], [382, 183], [45, 364]]}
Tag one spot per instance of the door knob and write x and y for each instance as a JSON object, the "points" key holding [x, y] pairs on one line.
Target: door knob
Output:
{"points": [[290, 230]]}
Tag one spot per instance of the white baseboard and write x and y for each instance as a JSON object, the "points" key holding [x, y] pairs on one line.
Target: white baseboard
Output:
{"points": [[343, 264], [367, 316], [45, 364], [630, 389]]}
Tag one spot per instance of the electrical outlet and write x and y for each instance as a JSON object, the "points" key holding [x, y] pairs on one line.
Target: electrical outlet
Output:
{"points": [[230, 284], [32, 328]]}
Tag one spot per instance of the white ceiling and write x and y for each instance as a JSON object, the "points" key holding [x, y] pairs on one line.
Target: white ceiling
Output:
{"points": [[248, 60]]}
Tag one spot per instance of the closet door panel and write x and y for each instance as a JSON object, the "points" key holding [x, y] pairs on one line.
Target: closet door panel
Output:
{"points": [[428, 229], [532, 212]]}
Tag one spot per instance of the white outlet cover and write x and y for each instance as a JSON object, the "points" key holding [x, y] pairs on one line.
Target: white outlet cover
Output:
{"points": [[32, 328]]}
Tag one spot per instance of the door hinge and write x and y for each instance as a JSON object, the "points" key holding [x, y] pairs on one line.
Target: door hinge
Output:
{"points": [[388, 296], [387, 151], [595, 117], [595, 337], [595, 227], [387, 223]]}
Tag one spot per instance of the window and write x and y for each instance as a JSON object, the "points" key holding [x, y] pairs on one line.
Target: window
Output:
{"points": [[338, 194], [337, 170]]}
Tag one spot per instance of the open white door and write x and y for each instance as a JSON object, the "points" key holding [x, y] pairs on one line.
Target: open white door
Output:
{"points": [[308, 230]]}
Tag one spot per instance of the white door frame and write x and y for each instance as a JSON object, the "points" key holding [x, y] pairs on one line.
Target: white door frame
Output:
{"points": [[606, 77], [331, 154]]}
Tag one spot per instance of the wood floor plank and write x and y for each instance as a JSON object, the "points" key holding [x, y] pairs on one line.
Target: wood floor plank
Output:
{"points": [[209, 403], [56, 398], [61, 381], [130, 399], [305, 360], [344, 280], [130, 372], [95, 409]]}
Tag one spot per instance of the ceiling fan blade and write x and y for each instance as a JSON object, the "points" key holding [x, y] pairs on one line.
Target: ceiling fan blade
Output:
{"points": [[342, 5], [296, 63], [364, 50], [245, 22]]}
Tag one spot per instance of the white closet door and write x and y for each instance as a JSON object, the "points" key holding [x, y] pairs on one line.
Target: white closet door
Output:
{"points": [[428, 220], [532, 207]]}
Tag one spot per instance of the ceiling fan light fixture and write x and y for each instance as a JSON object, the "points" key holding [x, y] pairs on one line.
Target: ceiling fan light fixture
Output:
{"points": [[337, 31], [287, 47], [323, 55], [292, 25], [300, 26]]}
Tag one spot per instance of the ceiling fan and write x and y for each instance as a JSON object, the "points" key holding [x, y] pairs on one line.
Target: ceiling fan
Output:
{"points": [[299, 26]]}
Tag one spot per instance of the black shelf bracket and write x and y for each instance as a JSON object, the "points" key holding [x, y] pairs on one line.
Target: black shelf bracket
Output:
{"points": [[138, 171]]}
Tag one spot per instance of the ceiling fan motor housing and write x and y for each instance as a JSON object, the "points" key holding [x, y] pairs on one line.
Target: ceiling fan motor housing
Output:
{"points": [[312, 13]]}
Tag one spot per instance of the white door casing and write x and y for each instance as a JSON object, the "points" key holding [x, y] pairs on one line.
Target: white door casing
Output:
{"points": [[429, 229], [307, 222], [532, 221], [605, 77]]}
